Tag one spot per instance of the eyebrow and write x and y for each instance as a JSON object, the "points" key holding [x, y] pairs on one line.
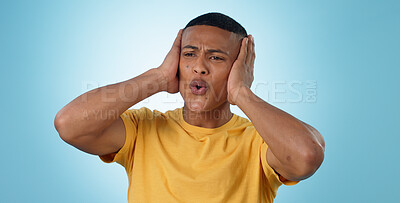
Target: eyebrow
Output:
{"points": [[208, 50]]}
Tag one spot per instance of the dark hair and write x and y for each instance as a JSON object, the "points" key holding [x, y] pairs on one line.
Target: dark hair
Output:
{"points": [[219, 20]]}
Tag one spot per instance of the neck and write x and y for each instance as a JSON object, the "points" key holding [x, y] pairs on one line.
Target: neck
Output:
{"points": [[208, 119]]}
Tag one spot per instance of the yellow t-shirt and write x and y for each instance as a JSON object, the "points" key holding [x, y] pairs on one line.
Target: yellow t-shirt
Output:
{"points": [[169, 160]]}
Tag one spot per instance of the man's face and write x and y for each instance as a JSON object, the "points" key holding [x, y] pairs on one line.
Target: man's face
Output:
{"points": [[207, 56]]}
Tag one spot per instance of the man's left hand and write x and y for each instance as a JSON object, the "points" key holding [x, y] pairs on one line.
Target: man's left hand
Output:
{"points": [[241, 75]]}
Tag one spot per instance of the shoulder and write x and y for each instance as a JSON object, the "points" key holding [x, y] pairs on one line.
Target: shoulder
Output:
{"points": [[242, 122], [246, 127], [242, 125], [145, 113]]}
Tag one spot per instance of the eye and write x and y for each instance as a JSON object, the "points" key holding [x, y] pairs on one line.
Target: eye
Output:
{"points": [[189, 54], [216, 58]]}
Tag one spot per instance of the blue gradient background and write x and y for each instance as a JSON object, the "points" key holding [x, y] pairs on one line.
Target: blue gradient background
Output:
{"points": [[53, 51]]}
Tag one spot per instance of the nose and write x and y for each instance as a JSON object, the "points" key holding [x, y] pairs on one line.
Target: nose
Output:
{"points": [[201, 68]]}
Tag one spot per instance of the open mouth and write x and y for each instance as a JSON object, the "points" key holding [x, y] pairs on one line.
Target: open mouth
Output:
{"points": [[198, 87]]}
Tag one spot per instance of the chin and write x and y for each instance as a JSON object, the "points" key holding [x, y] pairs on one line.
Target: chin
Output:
{"points": [[202, 103], [196, 106], [199, 106]]}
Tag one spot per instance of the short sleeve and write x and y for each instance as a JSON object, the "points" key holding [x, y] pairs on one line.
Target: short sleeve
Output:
{"points": [[274, 179], [124, 156]]}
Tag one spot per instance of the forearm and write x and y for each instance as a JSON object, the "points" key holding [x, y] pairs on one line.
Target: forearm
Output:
{"points": [[292, 142], [95, 110]]}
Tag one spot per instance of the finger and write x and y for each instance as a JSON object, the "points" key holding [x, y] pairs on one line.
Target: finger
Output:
{"points": [[173, 55], [250, 53], [248, 56], [177, 42], [253, 52], [243, 50]]}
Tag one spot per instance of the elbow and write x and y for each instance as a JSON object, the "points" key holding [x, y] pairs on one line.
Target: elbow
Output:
{"points": [[310, 162], [61, 125], [312, 157]]}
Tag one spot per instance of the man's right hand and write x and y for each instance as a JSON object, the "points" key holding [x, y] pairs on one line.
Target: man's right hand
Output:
{"points": [[169, 67], [92, 123]]}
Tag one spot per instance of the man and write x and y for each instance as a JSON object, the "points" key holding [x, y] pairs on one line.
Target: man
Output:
{"points": [[201, 152]]}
